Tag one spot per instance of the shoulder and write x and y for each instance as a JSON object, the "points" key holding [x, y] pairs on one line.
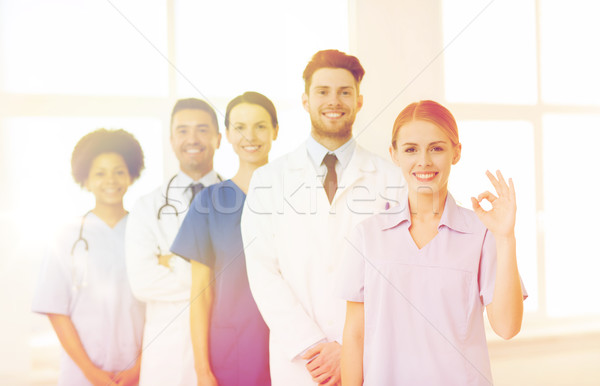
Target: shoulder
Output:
{"points": [[367, 159], [468, 217]]}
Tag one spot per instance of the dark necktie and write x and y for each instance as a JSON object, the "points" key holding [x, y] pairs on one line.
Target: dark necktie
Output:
{"points": [[195, 189], [330, 183]]}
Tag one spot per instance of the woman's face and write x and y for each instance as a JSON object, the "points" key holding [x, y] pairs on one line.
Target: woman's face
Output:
{"points": [[425, 154], [251, 133], [108, 179]]}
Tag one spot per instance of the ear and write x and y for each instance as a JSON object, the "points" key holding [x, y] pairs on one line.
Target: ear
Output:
{"points": [[219, 136], [305, 102], [457, 152], [275, 132], [359, 102], [394, 155]]}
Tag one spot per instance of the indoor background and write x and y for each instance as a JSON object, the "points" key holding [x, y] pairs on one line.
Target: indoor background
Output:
{"points": [[521, 77]]}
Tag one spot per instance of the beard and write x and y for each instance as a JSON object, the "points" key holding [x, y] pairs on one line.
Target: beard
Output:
{"points": [[342, 129]]}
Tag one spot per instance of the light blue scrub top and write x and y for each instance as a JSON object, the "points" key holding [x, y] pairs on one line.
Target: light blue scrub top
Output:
{"points": [[94, 292], [211, 235]]}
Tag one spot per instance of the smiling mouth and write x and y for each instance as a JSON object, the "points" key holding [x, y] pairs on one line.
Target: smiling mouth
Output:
{"points": [[251, 148], [193, 151], [425, 177], [333, 114]]}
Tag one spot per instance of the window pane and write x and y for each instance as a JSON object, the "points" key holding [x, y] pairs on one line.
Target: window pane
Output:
{"points": [[569, 52], [83, 47], [571, 214], [237, 47], [493, 60], [485, 146]]}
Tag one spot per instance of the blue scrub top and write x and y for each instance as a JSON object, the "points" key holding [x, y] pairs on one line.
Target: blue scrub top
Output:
{"points": [[211, 235]]}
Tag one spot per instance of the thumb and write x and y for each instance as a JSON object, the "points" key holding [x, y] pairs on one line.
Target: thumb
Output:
{"points": [[476, 207]]}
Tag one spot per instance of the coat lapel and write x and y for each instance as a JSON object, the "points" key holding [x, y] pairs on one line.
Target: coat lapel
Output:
{"points": [[360, 165]]}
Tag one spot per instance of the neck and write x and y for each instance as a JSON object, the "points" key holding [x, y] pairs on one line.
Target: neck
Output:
{"points": [[427, 205], [331, 142], [244, 174], [197, 174], [111, 214]]}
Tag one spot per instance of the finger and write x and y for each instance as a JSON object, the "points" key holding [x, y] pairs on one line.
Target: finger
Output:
{"points": [[322, 378], [493, 180], [312, 352], [502, 182], [511, 190], [476, 207], [331, 381], [313, 365], [487, 195]]}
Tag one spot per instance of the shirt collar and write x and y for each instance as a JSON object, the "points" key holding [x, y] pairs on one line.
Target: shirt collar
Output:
{"points": [[317, 152], [208, 179], [451, 218]]}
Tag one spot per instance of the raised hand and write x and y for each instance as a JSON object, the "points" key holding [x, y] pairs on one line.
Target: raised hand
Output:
{"points": [[500, 220]]}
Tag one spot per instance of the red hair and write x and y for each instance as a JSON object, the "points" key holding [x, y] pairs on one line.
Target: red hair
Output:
{"points": [[428, 111]]}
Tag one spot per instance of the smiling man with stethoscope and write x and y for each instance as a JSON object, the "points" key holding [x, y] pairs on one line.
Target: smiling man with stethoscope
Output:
{"points": [[158, 278]]}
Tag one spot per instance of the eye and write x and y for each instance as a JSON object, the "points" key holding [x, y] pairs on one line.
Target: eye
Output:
{"points": [[238, 127], [346, 93], [437, 149], [410, 150], [321, 92], [262, 126]]}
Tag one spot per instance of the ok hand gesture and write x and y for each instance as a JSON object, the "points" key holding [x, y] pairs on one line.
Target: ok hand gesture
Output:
{"points": [[500, 220]]}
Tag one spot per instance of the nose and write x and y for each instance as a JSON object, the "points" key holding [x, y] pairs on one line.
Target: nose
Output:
{"points": [[333, 99], [425, 159], [193, 137]]}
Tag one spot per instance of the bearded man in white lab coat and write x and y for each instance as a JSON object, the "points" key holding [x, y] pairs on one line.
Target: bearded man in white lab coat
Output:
{"points": [[157, 277], [298, 211]]}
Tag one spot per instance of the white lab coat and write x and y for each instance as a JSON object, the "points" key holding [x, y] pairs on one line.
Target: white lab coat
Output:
{"points": [[167, 357], [293, 240]]}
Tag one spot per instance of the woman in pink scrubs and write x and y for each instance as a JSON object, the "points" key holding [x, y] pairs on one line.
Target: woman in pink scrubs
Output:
{"points": [[417, 278]]}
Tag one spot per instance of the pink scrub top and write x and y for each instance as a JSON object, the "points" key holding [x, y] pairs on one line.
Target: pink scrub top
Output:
{"points": [[423, 307]]}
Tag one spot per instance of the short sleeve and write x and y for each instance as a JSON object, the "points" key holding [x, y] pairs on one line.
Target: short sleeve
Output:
{"points": [[487, 270], [193, 241], [53, 292], [350, 279]]}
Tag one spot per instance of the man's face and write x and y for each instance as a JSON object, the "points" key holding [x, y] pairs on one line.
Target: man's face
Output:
{"points": [[194, 139], [332, 103]]}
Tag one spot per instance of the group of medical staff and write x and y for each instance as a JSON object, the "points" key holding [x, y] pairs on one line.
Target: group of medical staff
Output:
{"points": [[260, 278]]}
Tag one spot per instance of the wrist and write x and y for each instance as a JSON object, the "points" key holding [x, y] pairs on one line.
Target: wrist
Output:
{"points": [[505, 238]]}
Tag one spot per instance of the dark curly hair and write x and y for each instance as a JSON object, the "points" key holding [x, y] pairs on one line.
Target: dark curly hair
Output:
{"points": [[103, 141]]}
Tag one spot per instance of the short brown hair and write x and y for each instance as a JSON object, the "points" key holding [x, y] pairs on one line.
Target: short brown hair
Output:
{"points": [[333, 59], [194, 104]]}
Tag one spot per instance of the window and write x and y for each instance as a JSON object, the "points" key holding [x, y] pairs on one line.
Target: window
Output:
{"points": [[68, 67], [529, 91]]}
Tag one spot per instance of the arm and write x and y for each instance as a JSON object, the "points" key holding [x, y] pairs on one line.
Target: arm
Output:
{"points": [[352, 350], [505, 312], [288, 322], [200, 312], [69, 339], [149, 279]]}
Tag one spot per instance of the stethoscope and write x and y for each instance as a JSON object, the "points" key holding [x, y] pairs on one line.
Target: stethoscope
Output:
{"points": [[167, 204], [85, 262]]}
